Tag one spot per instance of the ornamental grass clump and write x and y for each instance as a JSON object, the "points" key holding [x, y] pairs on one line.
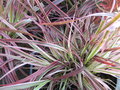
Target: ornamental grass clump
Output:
{"points": [[58, 44]]}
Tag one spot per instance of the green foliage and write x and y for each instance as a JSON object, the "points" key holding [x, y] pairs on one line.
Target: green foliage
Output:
{"points": [[57, 45]]}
